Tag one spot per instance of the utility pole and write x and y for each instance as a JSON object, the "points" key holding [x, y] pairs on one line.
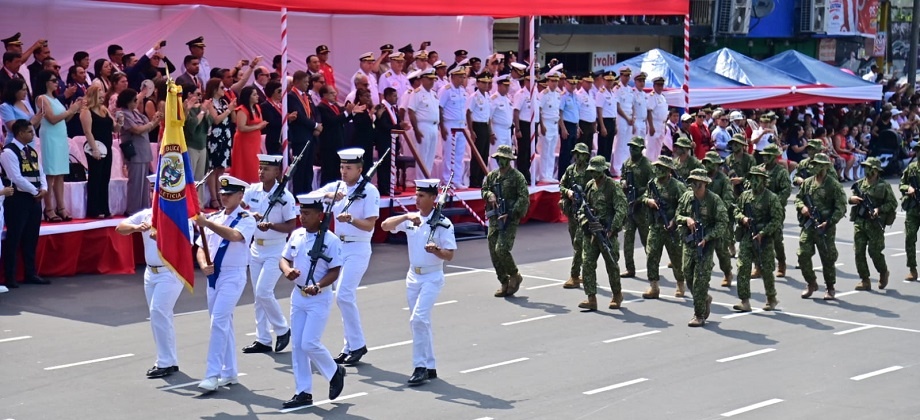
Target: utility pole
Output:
{"points": [[912, 55]]}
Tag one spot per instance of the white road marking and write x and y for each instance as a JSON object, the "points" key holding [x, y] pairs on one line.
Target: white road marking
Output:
{"points": [[527, 320], [561, 259], [485, 418], [740, 314], [120, 356], [851, 292], [5, 340], [187, 384], [746, 355], [495, 365], [254, 333], [386, 346], [752, 407], [822, 268], [323, 402], [633, 300], [613, 340], [438, 304], [900, 254], [857, 329], [187, 313], [821, 318], [897, 232], [543, 286], [876, 373], [361, 288], [492, 271], [612, 387], [458, 273]]}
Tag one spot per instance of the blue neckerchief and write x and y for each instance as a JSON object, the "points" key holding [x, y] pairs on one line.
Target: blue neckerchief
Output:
{"points": [[221, 251]]}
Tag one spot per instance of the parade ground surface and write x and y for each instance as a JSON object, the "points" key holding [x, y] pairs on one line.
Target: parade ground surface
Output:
{"points": [[79, 349]]}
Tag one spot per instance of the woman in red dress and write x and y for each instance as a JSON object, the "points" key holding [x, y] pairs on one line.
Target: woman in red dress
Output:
{"points": [[247, 142]]}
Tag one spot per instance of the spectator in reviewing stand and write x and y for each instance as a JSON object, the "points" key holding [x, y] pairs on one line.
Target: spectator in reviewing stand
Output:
{"points": [[16, 107], [116, 53], [78, 79], [55, 150], [247, 141], [271, 112], [197, 125], [220, 137], [363, 133], [303, 127], [332, 139], [104, 73], [135, 131], [843, 150], [317, 81], [81, 59], [98, 125], [119, 84]]}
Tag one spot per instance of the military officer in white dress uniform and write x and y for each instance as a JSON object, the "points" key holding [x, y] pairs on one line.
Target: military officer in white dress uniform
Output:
{"points": [[311, 301], [479, 114], [228, 233], [395, 77], [161, 287], [502, 117], [550, 114], [640, 107], [658, 116], [265, 252], [355, 228], [452, 101], [606, 116], [425, 278], [425, 116], [625, 96], [366, 68]]}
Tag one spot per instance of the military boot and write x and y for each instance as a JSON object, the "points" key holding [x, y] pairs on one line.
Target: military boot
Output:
{"points": [[670, 265], [616, 301], [628, 274], [573, 282], [913, 274], [883, 280], [503, 291], [696, 321], [810, 289], [756, 273], [653, 291], [744, 306], [771, 303], [830, 294], [680, 290], [708, 307], [864, 284], [514, 283], [590, 303], [781, 269], [727, 281]]}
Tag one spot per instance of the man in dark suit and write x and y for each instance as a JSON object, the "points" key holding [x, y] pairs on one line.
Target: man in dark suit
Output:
{"points": [[40, 54], [332, 137], [262, 77], [387, 119], [190, 77], [12, 61], [305, 126]]}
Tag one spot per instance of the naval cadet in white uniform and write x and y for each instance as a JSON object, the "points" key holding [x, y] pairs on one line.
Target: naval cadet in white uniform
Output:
{"points": [[425, 116], [311, 301], [265, 252], [228, 233], [452, 101], [426, 272], [161, 287], [355, 228]]}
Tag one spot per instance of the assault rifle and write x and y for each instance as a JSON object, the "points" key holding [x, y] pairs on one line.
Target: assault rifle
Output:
{"points": [[865, 207], [631, 195], [437, 219], [599, 234], [753, 227], [662, 213], [501, 207], [277, 196], [358, 193], [814, 216], [913, 200], [319, 246], [695, 237]]}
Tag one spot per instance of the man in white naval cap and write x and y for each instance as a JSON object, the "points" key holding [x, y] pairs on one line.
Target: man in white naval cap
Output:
{"points": [[355, 227], [394, 77], [426, 271], [502, 117], [625, 96], [311, 300], [366, 68], [228, 233], [452, 101], [550, 115], [658, 116], [265, 252], [161, 287], [425, 116]]}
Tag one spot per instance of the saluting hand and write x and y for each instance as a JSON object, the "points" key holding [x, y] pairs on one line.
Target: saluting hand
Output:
{"points": [[415, 218]]}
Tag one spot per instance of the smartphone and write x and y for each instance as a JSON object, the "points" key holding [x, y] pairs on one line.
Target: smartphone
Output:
{"points": [[162, 43], [245, 62]]}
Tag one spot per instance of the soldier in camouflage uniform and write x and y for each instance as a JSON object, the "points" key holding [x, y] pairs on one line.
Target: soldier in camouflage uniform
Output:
{"points": [[640, 170], [607, 202], [910, 197], [804, 170], [760, 226], [684, 161], [700, 209], [829, 200], [660, 236], [722, 188], [517, 201], [574, 175], [777, 182], [869, 224], [739, 163]]}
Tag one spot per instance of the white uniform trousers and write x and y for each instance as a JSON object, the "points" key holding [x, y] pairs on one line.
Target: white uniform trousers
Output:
{"points": [[421, 292], [621, 145], [640, 128], [264, 273], [222, 300], [654, 143], [162, 290], [502, 137], [426, 150], [355, 258], [548, 144], [452, 154], [308, 321]]}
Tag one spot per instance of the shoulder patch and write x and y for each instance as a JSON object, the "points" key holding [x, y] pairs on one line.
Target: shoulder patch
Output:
{"points": [[388, 73]]}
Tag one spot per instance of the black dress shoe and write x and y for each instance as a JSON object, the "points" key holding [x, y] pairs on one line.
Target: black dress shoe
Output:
{"points": [[432, 373], [257, 347], [36, 280], [340, 358], [11, 284], [282, 341], [419, 376], [161, 372], [337, 383], [299, 400], [355, 356]]}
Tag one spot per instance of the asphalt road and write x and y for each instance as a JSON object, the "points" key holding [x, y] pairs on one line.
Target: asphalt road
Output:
{"points": [[78, 349]]}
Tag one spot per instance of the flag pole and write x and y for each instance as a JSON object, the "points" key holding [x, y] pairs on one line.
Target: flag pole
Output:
{"points": [[284, 86]]}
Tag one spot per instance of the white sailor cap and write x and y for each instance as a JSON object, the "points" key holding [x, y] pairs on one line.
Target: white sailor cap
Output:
{"points": [[429, 73], [312, 200], [428, 185], [439, 64], [368, 56], [230, 185], [152, 178], [415, 74], [556, 71], [519, 66], [459, 71], [464, 62], [502, 80], [274, 160], [351, 155]]}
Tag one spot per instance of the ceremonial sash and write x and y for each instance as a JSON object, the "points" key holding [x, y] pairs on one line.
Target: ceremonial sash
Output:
{"points": [[221, 251]]}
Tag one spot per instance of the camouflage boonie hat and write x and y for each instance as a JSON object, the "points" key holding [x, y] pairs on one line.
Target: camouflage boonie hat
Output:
{"points": [[771, 149], [758, 171], [821, 159], [699, 175], [815, 144], [665, 161], [872, 162], [598, 164], [581, 148], [738, 138], [504, 151], [684, 142], [713, 156], [637, 141]]}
